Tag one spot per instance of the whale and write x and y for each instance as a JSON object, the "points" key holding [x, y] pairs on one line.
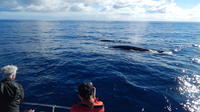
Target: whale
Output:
{"points": [[114, 41], [127, 47], [134, 48], [108, 40]]}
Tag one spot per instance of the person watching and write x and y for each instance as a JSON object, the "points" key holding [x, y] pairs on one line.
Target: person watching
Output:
{"points": [[11, 92], [30, 110], [89, 102]]}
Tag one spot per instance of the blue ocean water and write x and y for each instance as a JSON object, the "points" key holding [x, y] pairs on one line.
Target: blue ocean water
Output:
{"points": [[54, 57]]}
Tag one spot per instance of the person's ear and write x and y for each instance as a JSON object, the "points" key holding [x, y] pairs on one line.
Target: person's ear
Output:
{"points": [[13, 76]]}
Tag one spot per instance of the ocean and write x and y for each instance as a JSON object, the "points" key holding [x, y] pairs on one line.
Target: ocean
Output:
{"points": [[54, 57]]}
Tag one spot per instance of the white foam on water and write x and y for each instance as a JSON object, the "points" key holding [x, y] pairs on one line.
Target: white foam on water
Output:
{"points": [[196, 45], [197, 60], [153, 51], [176, 50], [106, 47], [189, 87], [168, 53], [165, 52], [184, 70]]}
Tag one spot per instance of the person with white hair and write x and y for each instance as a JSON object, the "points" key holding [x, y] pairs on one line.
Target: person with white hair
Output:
{"points": [[11, 92]]}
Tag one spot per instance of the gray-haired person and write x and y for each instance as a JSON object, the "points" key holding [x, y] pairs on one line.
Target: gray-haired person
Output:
{"points": [[11, 92]]}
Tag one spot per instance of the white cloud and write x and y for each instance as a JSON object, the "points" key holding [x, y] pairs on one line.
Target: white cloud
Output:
{"points": [[43, 6], [110, 9]]}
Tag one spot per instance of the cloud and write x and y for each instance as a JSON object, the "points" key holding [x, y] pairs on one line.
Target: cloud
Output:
{"points": [[80, 5], [110, 9], [47, 5], [41, 5]]}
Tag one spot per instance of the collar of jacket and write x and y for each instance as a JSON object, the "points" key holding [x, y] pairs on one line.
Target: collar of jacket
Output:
{"points": [[7, 79]]}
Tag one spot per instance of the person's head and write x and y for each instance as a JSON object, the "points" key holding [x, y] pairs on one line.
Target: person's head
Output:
{"points": [[9, 71], [86, 90]]}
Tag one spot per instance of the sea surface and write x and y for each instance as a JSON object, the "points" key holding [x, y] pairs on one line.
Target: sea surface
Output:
{"points": [[54, 57]]}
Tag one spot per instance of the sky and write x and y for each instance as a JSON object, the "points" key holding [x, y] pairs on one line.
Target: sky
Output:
{"points": [[108, 10]]}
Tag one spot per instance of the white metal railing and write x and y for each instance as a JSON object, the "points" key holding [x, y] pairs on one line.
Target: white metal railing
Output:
{"points": [[47, 105]]}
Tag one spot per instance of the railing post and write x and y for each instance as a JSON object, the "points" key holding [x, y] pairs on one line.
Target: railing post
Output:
{"points": [[53, 108], [47, 105]]}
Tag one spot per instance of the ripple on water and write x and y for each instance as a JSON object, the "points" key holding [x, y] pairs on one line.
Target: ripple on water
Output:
{"points": [[196, 45], [190, 89], [197, 60]]}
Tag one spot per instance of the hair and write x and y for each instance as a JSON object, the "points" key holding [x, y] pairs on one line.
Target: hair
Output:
{"points": [[8, 71], [85, 90]]}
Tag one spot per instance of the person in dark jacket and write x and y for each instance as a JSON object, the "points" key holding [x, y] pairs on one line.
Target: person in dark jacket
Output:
{"points": [[11, 92]]}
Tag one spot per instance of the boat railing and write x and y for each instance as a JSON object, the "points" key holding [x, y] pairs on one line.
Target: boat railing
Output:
{"points": [[47, 105]]}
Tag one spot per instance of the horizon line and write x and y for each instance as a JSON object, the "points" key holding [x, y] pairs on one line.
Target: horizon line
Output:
{"points": [[87, 20]]}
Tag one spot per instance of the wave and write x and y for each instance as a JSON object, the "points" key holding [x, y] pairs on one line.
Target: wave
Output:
{"points": [[186, 46], [168, 53], [190, 89], [196, 45], [165, 52], [177, 49], [105, 47], [197, 60]]}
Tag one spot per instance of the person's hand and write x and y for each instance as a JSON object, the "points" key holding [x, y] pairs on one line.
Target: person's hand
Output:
{"points": [[30, 110]]}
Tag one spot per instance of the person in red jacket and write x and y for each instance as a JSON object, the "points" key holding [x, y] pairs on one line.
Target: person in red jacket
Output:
{"points": [[89, 102]]}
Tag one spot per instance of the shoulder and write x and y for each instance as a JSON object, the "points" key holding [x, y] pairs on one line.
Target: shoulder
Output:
{"points": [[18, 85], [19, 89], [100, 105], [98, 102], [14, 84]]}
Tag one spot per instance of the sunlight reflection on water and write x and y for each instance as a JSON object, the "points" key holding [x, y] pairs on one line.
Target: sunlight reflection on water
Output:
{"points": [[190, 88]]}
